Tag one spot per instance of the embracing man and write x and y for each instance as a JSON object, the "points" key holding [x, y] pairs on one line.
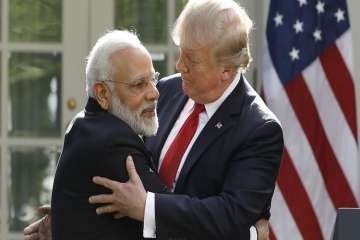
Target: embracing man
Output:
{"points": [[121, 108], [218, 147]]}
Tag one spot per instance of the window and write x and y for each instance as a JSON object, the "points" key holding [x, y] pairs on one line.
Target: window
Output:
{"points": [[35, 165], [31, 65], [34, 80], [152, 21], [148, 18], [35, 21]]}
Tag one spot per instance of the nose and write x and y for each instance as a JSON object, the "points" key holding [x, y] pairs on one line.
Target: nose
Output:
{"points": [[180, 65], [152, 94]]}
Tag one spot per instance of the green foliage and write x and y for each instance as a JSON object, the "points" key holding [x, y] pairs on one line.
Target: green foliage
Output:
{"points": [[30, 169], [30, 87], [179, 6], [35, 20], [148, 18]]}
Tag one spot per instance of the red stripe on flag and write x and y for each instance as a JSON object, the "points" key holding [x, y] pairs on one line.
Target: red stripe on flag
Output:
{"points": [[341, 84], [271, 234], [304, 107], [297, 200]]}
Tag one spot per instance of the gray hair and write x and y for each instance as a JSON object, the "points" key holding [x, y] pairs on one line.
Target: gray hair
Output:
{"points": [[98, 66], [222, 25]]}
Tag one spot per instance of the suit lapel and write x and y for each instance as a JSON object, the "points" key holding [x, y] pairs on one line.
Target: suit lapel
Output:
{"points": [[221, 121], [167, 118], [210, 133]]}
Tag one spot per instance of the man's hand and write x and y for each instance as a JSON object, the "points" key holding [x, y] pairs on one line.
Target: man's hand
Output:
{"points": [[262, 228], [127, 199], [41, 229]]}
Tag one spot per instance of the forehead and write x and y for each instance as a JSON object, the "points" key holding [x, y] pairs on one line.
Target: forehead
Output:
{"points": [[195, 52], [130, 56], [131, 62]]}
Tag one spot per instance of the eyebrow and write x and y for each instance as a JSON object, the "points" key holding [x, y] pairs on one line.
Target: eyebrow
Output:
{"points": [[191, 57], [142, 76], [194, 59]]}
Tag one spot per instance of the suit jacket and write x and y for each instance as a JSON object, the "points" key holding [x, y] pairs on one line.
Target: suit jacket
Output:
{"points": [[97, 145], [230, 172]]}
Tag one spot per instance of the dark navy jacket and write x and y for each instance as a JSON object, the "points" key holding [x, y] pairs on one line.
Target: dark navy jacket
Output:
{"points": [[97, 145], [230, 172]]}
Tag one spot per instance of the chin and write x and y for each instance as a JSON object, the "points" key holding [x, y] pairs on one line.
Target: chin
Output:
{"points": [[186, 89], [149, 126]]}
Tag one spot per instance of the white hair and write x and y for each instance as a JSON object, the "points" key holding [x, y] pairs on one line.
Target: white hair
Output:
{"points": [[98, 66], [222, 25]]}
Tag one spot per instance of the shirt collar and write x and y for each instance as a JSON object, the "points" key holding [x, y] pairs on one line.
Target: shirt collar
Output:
{"points": [[212, 107]]}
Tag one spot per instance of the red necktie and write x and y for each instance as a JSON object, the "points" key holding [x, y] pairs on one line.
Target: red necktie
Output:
{"points": [[174, 154]]}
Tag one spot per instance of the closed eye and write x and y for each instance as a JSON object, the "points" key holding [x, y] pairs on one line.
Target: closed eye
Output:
{"points": [[140, 84], [192, 60]]}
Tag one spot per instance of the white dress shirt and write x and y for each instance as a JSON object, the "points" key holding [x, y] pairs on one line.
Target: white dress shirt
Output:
{"points": [[149, 230]]}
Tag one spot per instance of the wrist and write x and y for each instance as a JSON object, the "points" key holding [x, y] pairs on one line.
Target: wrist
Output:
{"points": [[140, 209]]}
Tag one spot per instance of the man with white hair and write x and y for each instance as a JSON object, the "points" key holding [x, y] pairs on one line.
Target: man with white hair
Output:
{"points": [[120, 81], [121, 108], [218, 146]]}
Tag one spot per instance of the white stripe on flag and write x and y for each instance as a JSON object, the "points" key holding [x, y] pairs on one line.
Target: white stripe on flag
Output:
{"points": [[281, 220], [335, 125], [298, 148], [343, 43]]}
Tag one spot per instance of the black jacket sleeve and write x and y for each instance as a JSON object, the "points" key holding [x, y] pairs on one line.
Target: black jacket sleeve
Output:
{"points": [[115, 164]]}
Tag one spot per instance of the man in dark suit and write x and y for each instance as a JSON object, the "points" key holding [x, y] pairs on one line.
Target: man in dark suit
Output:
{"points": [[121, 106], [224, 176], [226, 142], [98, 143]]}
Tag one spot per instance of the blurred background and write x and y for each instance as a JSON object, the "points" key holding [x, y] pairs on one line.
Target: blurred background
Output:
{"points": [[43, 46]]}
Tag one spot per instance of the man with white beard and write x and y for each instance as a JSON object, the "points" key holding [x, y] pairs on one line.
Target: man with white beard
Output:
{"points": [[121, 107]]}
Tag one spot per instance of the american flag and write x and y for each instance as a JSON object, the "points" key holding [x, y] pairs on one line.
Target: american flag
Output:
{"points": [[308, 82]]}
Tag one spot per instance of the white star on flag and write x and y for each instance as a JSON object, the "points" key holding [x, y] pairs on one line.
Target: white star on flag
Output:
{"points": [[340, 15], [310, 86], [278, 19], [298, 26], [302, 2], [294, 54], [320, 7], [317, 35]]}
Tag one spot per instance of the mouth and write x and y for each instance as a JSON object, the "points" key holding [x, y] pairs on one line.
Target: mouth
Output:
{"points": [[186, 82], [149, 112]]}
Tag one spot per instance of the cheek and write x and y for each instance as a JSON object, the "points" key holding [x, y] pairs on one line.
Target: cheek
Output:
{"points": [[134, 102], [197, 76], [200, 79], [205, 80]]}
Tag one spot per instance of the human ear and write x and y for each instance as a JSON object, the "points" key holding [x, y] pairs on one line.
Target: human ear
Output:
{"points": [[102, 95], [228, 73]]}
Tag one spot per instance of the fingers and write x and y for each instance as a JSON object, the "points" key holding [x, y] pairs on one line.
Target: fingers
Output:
{"points": [[44, 209], [118, 215], [130, 167], [32, 228], [47, 220], [34, 236], [105, 209], [102, 198], [105, 182], [262, 228]]}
